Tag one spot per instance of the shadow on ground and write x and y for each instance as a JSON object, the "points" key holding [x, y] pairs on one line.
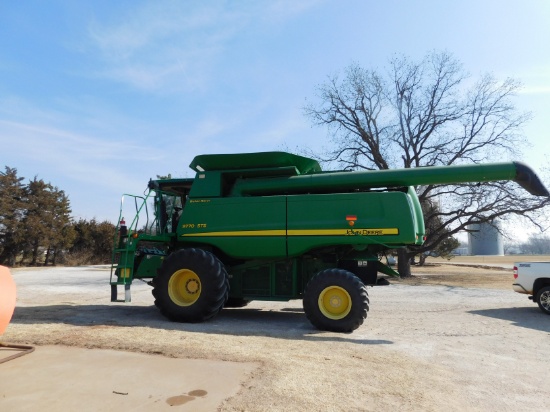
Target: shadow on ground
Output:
{"points": [[284, 323], [525, 317]]}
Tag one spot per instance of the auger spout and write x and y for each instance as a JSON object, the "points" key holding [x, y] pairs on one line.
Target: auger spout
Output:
{"points": [[349, 181]]}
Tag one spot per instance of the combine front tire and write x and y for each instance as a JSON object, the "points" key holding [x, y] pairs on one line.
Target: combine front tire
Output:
{"points": [[336, 300], [192, 286]]}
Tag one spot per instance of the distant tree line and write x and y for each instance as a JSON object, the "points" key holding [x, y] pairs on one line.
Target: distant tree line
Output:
{"points": [[535, 245], [36, 227]]}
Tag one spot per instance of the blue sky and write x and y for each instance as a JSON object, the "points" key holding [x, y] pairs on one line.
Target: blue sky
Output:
{"points": [[98, 96]]}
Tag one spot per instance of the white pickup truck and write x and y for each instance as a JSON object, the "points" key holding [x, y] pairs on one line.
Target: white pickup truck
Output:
{"points": [[533, 278]]}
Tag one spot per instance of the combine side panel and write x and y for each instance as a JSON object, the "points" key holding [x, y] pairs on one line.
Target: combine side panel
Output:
{"points": [[246, 227], [315, 221]]}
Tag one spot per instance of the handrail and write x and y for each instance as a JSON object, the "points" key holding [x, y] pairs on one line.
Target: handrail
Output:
{"points": [[132, 227]]}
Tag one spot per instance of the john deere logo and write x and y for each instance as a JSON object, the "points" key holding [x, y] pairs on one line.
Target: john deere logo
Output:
{"points": [[351, 219]]}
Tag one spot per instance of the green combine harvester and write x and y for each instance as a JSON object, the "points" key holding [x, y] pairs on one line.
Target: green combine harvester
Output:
{"points": [[273, 226]]}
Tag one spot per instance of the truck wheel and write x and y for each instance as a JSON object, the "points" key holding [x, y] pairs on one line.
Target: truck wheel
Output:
{"points": [[336, 300], [543, 299], [192, 286]]}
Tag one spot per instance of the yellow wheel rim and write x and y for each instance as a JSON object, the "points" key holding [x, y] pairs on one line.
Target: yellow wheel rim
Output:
{"points": [[184, 287], [334, 302]]}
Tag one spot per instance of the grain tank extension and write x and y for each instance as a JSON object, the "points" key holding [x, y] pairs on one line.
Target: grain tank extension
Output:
{"points": [[273, 226]]}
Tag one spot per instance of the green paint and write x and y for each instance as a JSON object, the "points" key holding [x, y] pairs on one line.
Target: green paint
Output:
{"points": [[275, 219]]}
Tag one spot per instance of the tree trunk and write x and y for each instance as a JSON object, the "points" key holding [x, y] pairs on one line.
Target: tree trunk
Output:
{"points": [[34, 253], [421, 259], [12, 260], [25, 257], [47, 260], [54, 258], [403, 263]]}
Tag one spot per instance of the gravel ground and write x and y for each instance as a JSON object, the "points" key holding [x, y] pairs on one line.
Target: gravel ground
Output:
{"points": [[451, 338]]}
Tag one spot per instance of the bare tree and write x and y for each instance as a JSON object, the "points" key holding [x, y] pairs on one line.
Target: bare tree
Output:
{"points": [[428, 113], [536, 245]]}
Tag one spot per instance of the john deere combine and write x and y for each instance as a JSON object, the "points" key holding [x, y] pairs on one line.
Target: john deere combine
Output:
{"points": [[273, 226]]}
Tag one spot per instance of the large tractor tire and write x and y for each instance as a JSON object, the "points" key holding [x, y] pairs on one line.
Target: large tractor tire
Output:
{"points": [[336, 300], [192, 286]]}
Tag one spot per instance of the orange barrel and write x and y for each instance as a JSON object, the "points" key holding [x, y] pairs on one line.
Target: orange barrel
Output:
{"points": [[7, 298]]}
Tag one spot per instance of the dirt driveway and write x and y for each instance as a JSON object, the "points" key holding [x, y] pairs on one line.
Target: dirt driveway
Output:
{"points": [[452, 338]]}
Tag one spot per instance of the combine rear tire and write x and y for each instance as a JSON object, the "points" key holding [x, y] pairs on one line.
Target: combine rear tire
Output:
{"points": [[192, 286], [543, 299], [336, 300]]}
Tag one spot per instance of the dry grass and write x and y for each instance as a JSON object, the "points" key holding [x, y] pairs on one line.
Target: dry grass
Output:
{"points": [[493, 272]]}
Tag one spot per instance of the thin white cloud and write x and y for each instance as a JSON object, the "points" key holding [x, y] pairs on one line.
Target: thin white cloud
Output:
{"points": [[536, 80], [151, 24], [76, 157], [285, 9], [169, 46], [541, 89], [164, 46], [45, 140]]}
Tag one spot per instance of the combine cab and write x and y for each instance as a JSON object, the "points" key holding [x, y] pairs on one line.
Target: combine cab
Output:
{"points": [[273, 226]]}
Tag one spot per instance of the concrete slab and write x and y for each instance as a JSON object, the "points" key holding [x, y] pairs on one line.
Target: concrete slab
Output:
{"points": [[55, 378]]}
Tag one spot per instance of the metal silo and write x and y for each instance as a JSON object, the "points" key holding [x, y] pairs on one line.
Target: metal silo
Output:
{"points": [[485, 239]]}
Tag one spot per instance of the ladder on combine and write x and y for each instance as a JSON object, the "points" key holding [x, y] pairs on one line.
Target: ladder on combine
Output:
{"points": [[124, 249]]}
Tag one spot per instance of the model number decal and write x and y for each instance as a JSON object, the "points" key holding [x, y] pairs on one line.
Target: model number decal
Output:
{"points": [[524, 265], [193, 225]]}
